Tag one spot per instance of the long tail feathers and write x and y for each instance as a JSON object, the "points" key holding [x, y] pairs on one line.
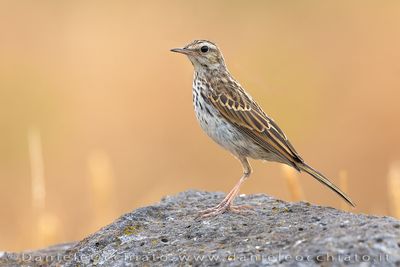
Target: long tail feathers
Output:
{"points": [[322, 179]]}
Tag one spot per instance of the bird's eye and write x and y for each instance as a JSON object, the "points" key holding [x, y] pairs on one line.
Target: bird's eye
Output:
{"points": [[204, 49]]}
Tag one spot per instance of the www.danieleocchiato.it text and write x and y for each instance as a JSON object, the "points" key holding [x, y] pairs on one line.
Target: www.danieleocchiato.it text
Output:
{"points": [[232, 257]]}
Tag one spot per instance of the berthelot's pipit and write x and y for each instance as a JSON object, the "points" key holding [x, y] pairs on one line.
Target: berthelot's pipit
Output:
{"points": [[230, 116]]}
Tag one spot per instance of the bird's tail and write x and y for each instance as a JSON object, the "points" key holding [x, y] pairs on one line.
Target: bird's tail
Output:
{"points": [[322, 179]]}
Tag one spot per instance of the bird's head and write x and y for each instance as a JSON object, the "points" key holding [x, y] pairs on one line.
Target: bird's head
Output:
{"points": [[203, 54]]}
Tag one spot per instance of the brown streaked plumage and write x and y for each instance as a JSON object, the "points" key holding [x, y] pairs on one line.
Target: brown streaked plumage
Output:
{"points": [[229, 115]]}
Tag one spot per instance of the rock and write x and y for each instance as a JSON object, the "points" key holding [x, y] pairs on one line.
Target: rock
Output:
{"points": [[277, 232]]}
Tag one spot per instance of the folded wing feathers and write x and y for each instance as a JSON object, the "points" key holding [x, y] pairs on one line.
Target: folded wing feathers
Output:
{"points": [[258, 126]]}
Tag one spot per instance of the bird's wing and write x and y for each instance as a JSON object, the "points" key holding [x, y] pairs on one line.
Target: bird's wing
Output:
{"points": [[238, 108], [242, 111]]}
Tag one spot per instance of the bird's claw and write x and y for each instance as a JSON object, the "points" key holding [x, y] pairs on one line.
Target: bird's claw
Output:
{"points": [[222, 208]]}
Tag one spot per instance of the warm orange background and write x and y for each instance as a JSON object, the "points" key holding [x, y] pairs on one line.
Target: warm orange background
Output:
{"points": [[113, 106]]}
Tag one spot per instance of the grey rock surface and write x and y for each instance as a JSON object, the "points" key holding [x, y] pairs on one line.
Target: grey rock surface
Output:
{"points": [[276, 233]]}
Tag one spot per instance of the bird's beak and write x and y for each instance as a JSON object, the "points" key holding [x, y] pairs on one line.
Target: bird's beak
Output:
{"points": [[182, 51]]}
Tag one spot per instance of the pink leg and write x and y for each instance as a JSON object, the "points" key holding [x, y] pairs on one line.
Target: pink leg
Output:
{"points": [[226, 203]]}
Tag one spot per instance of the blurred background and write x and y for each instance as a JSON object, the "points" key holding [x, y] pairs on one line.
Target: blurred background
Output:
{"points": [[96, 114]]}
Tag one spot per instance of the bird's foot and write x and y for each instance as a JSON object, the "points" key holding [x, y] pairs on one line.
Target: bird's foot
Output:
{"points": [[222, 208], [241, 209]]}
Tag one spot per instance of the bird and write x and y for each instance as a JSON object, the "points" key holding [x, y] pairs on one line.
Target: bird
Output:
{"points": [[233, 119]]}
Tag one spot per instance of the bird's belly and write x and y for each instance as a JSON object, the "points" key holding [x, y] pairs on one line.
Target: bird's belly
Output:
{"points": [[225, 134]]}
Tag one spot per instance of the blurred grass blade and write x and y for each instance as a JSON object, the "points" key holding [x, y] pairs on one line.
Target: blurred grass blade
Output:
{"points": [[37, 169], [293, 183], [45, 226], [394, 189], [102, 187]]}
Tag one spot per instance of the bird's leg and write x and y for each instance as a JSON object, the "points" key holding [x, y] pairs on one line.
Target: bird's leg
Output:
{"points": [[226, 203]]}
